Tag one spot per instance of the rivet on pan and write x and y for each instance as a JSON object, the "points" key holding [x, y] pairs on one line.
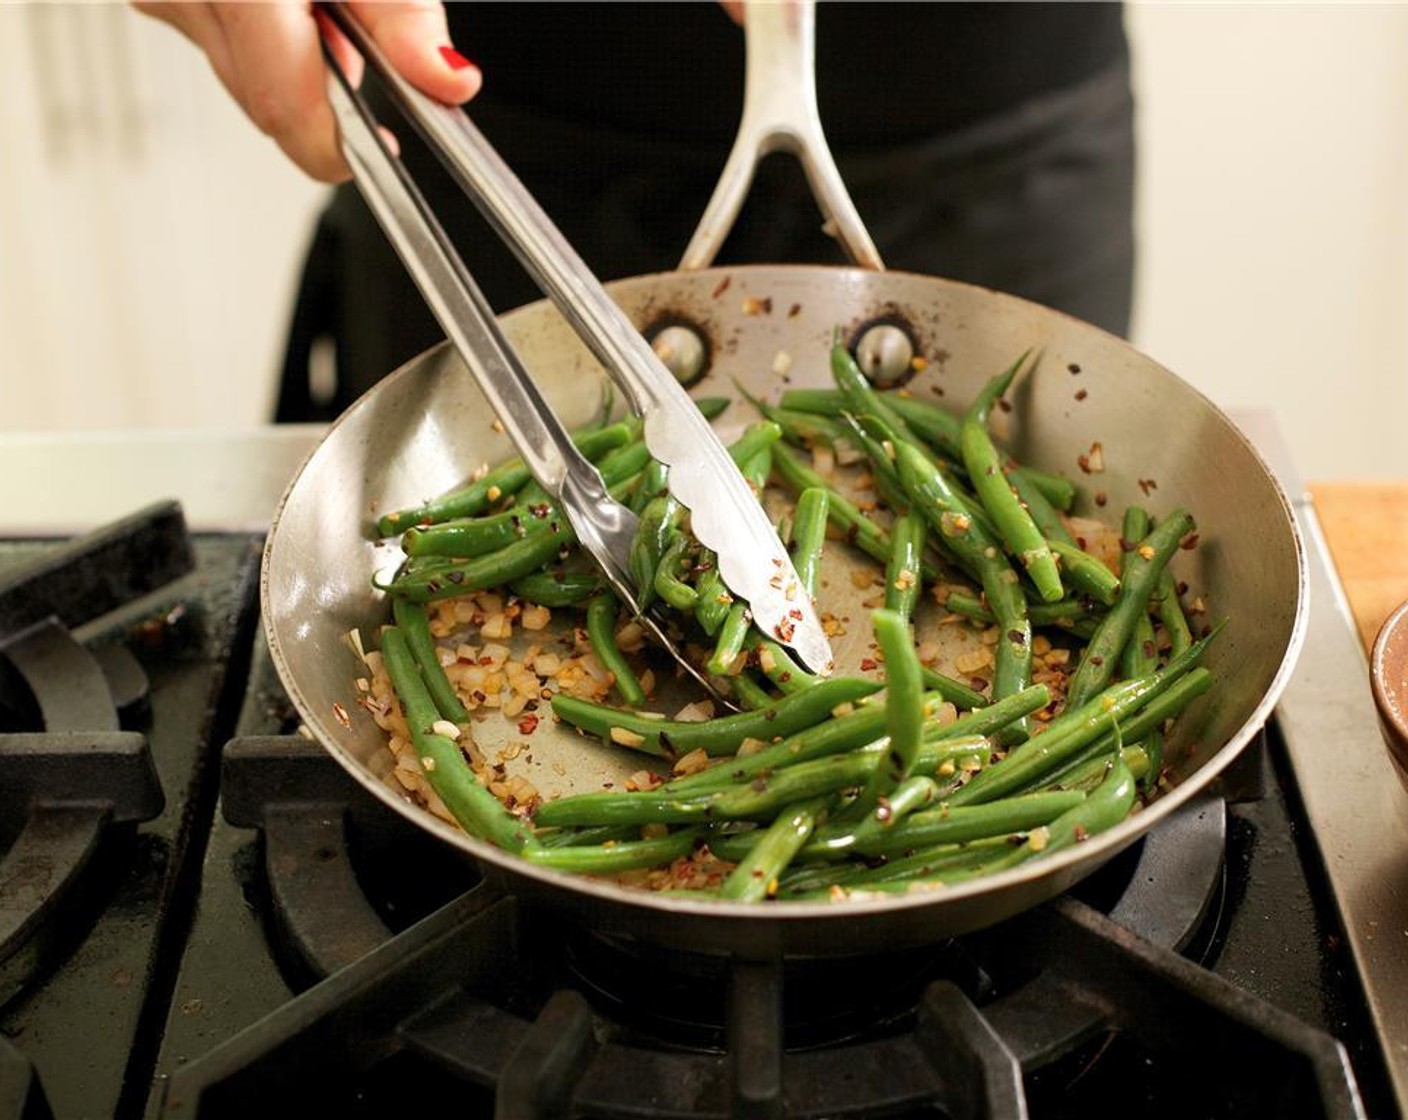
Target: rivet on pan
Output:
{"points": [[884, 353], [682, 351]]}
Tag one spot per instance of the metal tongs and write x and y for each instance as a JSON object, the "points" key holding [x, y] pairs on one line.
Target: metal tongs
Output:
{"points": [[725, 514]]}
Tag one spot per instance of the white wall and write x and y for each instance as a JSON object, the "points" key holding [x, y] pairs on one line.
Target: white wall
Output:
{"points": [[148, 233], [149, 236], [1273, 217]]}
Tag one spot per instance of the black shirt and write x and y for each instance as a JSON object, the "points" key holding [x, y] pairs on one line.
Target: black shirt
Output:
{"points": [[885, 72]]}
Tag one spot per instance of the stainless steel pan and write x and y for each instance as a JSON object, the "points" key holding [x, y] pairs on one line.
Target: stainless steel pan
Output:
{"points": [[426, 428]]}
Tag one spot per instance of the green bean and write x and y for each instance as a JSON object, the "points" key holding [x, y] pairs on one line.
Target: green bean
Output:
{"points": [[668, 737], [602, 610], [949, 824], [1024, 540], [414, 624], [658, 523], [711, 408], [853, 729], [1074, 729], [781, 668], [813, 402], [1041, 510], [531, 511], [1068, 614], [938, 428], [714, 597], [757, 800], [1139, 577], [994, 717], [508, 478], [668, 584], [857, 728], [1058, 490], [595, 834], [944, 755], [478, 811], [904, 709], [758, 438], [476, 536], [943, 431], [943, 863], [748, 692], [903, 581], [909, 795], [730, 640], [764, 796], [885, 478], [801, 429], [1141, 654], [1086, 574], [473, 499], [1090, 772], [809, 534], [1148, 720], [967, 540], [753, 452], [862, 398], [755, 877], [1171, 614], [654, 483], [624, 463], [616, 856], [1103, 808], [611, 808], [955, 692], [484, 572], [565, 589]]}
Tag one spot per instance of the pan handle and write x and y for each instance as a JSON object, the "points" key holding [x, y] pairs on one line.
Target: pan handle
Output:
{"points": [[780, 114]]}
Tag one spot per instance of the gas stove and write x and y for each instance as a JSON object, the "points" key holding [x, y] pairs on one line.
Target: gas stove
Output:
{"points": [[203, 915]]}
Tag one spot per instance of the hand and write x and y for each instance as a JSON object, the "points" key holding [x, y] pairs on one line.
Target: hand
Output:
{"points": [[269, 58]]}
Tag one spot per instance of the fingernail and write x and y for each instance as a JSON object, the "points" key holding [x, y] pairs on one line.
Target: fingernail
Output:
{"points": [[455, 60]]}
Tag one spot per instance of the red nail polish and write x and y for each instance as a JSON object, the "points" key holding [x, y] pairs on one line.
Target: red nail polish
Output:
{"points": [[453, 57]]}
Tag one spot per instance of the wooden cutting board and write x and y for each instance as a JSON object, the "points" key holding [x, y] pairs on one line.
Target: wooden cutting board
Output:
{"points": [[1366, 528]]}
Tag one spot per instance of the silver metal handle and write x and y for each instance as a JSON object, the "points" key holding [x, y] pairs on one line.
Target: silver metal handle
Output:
{"points": [[780, 114], [451, 293]]}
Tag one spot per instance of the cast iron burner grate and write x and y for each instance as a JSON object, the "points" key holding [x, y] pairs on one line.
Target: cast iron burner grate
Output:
{"points": [[113, 648], [519, 1017], [72, 770]]}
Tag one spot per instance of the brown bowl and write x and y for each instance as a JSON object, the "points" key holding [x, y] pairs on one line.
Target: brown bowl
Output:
{"points": [[1388, 673]]}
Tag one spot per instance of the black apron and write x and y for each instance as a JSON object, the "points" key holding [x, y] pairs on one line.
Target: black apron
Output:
{"points": [[1035, 198]]}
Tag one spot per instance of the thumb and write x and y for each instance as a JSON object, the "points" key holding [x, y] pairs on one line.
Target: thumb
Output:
{"points": [[416, 41]]}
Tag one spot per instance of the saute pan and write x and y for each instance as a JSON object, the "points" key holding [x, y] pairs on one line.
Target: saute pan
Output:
{"points": [[1161, 444]]}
